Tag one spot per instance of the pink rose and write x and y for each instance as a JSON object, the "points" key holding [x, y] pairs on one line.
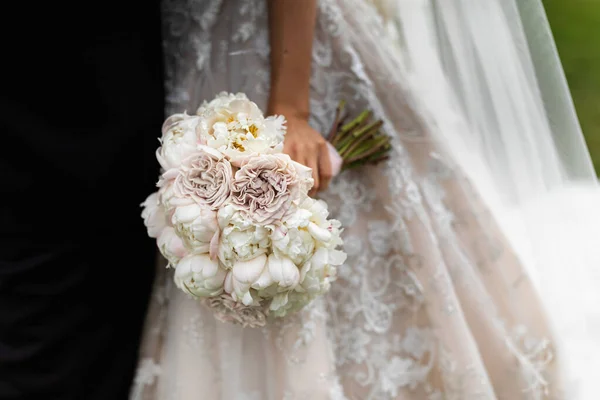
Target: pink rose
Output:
{"points": [[206, 178], [265, 187], [228, 310]]}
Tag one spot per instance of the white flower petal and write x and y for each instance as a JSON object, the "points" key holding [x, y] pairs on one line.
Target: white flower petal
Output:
{"points": [[228, 285], [320, 234], [337, 257], [279, 301], [199, 276], [264, 280], [247, 272], [247, 300], [283, 271]]}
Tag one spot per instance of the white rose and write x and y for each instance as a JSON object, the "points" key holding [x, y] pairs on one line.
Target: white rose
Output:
{"points": [[153, 215], [180, 139], [197, 226], [171, 246], [200, 276]]}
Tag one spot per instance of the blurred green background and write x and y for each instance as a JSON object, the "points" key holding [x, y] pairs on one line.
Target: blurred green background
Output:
{"points": [[576, 28]]}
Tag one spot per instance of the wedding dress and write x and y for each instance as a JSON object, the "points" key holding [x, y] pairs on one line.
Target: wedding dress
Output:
{"points": [[439, 297]]}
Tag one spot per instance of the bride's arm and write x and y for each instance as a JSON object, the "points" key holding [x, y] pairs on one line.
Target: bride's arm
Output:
{"points": [[291, 25]]}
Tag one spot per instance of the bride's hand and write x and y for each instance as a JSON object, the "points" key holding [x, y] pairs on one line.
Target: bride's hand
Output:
{"points": [[306, 146], [291, 31]]}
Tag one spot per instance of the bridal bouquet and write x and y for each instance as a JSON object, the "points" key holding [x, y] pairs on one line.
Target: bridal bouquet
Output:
{"points": [[233, 217]]}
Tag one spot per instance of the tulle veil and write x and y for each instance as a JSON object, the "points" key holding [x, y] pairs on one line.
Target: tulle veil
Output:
{"points": [[490, 74]]}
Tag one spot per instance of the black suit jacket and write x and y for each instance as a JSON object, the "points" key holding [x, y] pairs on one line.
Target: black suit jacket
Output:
{"points": [[81, 107]]}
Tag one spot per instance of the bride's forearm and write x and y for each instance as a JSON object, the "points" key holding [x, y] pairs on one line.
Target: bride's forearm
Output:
{"points": [[291, 30]]}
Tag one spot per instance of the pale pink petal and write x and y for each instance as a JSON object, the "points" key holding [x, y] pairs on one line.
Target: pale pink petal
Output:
{"points": [[214, 245], [335, 159]]}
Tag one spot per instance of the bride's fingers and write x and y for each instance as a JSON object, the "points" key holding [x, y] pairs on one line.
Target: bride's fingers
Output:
{"points": [[289, 150], [312, 162], [325, 169]]}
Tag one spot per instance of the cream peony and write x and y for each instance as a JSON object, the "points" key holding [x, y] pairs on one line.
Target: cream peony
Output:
{"points": [[170, 200], [317, 273], [236, 127], [199, 276], [246, 274], [180, 139], [240, 239], [326, 232], [153, 215], [265, 187], [293, 242], [206, 178], [283, 272], [248, 279], [197, 226], [171, 246]]}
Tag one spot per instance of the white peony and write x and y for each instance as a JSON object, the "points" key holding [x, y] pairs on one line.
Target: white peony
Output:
{"points": [[180, 139], [197, 226], [326, 232], [283, 272], [244, 275], [221, 100], [236, 127], [240, 239], [276, 123], [293, 242], [199, 276], [304, 230], [154, 215], [248, 279], [169, 198], [171, 246], [317, 273]]}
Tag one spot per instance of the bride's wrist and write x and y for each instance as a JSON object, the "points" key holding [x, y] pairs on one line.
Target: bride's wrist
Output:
{"points": [[289, 111], [290, 108]]}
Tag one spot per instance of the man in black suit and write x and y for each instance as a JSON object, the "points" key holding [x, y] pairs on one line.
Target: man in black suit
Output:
{"points": [[81, 107]]}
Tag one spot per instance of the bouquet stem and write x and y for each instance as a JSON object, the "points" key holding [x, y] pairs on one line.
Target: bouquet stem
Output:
{"points": [[360, 141]]}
